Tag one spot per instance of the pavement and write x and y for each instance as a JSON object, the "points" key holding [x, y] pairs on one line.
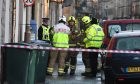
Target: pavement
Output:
{"points": [[76, 79]]}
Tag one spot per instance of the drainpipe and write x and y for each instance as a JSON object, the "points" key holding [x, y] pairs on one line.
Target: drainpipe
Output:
{"points": [[60, 9], [133, 9], [0, 21], [53, 13]]}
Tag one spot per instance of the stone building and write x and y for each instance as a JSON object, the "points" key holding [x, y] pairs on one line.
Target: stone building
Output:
{"points": [[119, 9]]}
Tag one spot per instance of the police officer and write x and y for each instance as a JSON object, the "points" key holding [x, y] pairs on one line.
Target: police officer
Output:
{"points": [[44, 30], [44, 33], [71, 59], [60, 31], [93, 40]]}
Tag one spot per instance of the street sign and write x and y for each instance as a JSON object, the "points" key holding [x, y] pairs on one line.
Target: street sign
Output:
{"points": [[28, 2]]}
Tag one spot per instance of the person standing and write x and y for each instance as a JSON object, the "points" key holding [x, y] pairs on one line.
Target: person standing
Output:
{"points": [[85, 55], [93, 40], [44, 30], [44, 33], [60, 40], [71, 59]]}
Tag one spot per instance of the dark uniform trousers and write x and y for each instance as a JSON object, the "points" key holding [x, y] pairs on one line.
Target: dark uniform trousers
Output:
{"points": [[71, 61], [85, 59], [93, 56]]}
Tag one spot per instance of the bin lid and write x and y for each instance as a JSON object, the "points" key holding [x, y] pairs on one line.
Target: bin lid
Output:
{"points": [[41, 43], [20, 43]]}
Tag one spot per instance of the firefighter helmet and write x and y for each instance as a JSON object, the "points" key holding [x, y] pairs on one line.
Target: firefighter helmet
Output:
{"points": [[62, 18], [71, 18]]}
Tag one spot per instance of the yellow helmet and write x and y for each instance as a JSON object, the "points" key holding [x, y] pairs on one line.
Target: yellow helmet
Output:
{"points": [[71, 18], [86, 19]]}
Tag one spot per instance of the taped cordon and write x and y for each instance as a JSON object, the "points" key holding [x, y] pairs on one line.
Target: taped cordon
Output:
{"points": [[71, 49]]}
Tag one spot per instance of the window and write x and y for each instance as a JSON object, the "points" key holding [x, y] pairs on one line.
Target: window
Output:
{"points": [[130, 43], [112, 29], [135, 26]]}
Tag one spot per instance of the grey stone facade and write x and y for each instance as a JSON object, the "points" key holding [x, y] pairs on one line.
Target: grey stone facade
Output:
{"points": [[115, 9]]}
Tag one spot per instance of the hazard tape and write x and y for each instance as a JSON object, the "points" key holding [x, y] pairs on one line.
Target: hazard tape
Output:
{"points": [[71, 49]]}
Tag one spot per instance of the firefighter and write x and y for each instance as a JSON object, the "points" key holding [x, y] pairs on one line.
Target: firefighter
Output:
{"points": [[44, 30], [71, 59], [85, 55], [60, 31], [93, 40]]}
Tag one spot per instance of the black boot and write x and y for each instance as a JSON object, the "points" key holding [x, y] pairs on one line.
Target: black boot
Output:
{"points": [[66, 69], [84, 73], [49, 73], [61, 74], [88, 74], [72, 72]]}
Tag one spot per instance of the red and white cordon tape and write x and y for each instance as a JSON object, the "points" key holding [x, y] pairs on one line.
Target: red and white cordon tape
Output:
{"points": [[71, 49]]}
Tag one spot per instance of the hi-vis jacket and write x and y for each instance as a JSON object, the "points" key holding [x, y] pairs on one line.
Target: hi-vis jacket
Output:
{"points": [[60, 37], [94, 36], [44, 32]]}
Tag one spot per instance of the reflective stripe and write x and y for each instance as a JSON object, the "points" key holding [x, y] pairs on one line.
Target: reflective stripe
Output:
{"points": [[45, 33], [98, 36], [96, 40], [88, 69], [61, 32], [93, 40], [67, 63], [60, 70], [82, 45], [90, 39], [78, 43], [72, 67], [72, 44], [50, 70], [60, 43]]}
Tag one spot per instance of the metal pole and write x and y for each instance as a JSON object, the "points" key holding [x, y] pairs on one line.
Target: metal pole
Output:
{"points": [[60, 9], [133, 10], [53, 12], [27, 37], [116, 8]]}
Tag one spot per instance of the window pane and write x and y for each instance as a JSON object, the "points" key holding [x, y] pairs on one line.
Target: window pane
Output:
{"points": [[133, 26], [131, 43], [112, 29]]}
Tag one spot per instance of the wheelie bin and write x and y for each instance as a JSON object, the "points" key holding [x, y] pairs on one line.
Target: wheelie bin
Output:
{"points": [[19, 64], [42, 60], [24, 65]]}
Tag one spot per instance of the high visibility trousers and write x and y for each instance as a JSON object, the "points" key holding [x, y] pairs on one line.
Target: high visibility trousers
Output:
{"points": [[61, 61], [86, 61]]}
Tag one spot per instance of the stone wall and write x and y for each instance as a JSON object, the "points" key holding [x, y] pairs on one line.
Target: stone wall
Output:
{"points": [[119, 8]]}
